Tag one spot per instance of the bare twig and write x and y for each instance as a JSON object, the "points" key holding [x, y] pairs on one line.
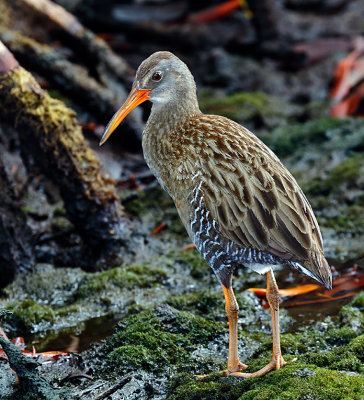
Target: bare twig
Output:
{"points": [[124, 380]]}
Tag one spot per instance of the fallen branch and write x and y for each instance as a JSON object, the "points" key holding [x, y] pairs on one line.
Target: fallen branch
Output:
{"points": [[106, 61], [51, 140], [70, 78], [123, 381]]}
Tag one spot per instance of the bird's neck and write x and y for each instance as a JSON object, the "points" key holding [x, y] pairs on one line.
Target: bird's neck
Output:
{"points": [[167, 117], [162, 138]]}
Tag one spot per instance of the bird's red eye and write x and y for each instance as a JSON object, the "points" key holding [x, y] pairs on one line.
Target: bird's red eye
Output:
{"points": [[157, 76]]}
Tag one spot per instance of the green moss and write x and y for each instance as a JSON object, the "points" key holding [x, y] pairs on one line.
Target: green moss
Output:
{"points": [[357, 347], [158, 341], [342, 134], [348, 171], [213, 387], [153, 197], [349, 220], [245, 106], [67, 310], [59, 127], [296, 381], [341, 358], [59, 211], [138, 275], [307, 342], [353, 317], [358, 301], [285, 141], [29, 313], [203, 301], [61, 223], [193, 261]]}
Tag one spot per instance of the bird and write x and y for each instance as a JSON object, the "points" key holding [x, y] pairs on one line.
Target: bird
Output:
{"points": [[239, 204]]}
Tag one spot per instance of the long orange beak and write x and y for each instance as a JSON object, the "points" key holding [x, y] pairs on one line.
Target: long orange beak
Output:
{"points": [[136, 97]]}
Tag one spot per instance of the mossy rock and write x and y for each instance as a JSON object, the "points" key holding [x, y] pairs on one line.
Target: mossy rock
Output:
{"points": [[258, 107], [358, 301], [203, 302], [329, 133], [296, 381], [144, 201], [194, 262], [27, 314], [329, 365], [160, 341], [138, 275]]}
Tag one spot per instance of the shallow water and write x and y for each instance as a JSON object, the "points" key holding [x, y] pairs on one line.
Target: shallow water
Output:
{"points": [[78, 339]]}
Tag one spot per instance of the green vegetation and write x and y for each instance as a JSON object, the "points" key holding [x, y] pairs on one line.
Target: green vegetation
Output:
{"points": [[341, 134], [296, 381], [129, 277], [29, 313], [159, 341], [247, 106]]}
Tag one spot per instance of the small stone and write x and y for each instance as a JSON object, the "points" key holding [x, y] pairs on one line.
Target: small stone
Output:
{"points": [[304, 372]]}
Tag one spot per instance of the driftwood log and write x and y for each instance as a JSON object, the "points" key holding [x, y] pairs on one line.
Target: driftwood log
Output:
{"points": [[52, 142]]}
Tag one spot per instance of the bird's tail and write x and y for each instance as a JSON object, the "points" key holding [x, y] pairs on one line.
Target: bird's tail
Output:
{"points": [[318, 268]]}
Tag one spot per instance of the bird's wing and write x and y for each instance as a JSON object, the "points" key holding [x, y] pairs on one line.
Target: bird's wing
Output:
{"points": [[252, 196]]}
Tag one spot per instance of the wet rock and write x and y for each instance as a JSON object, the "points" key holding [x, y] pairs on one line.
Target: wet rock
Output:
{"points": [[32, 384], [327, 367], [131, 14]]}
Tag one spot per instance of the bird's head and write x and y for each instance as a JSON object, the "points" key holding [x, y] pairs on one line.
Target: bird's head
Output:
{"points": [[163, 79]]}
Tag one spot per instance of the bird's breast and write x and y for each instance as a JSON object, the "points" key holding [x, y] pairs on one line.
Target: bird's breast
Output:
{"points": [[165, 158]]}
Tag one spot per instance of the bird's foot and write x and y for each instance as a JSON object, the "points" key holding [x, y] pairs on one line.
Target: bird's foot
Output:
{"points": [[239, 367], [236, 368], [275, 363]]}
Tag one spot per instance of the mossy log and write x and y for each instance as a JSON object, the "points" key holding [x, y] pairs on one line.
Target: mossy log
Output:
{"points": [[51, 141], [15, 236], [71, 79]]}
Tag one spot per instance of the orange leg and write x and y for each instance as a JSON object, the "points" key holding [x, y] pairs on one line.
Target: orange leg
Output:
{"points": [[277, 359], [232, 311]]}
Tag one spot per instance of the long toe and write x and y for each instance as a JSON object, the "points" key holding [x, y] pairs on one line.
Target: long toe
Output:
{"points": [[275, 363], [242, 366]]}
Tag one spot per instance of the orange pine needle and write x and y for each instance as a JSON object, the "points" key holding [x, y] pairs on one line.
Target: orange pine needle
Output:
{"points": [[189, 247], [214, 13], [341, 73], [288, 292], [159, 229]]}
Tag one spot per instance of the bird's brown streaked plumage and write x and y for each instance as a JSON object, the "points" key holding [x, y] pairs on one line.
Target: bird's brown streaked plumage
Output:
{"points": [[239, 204]]}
